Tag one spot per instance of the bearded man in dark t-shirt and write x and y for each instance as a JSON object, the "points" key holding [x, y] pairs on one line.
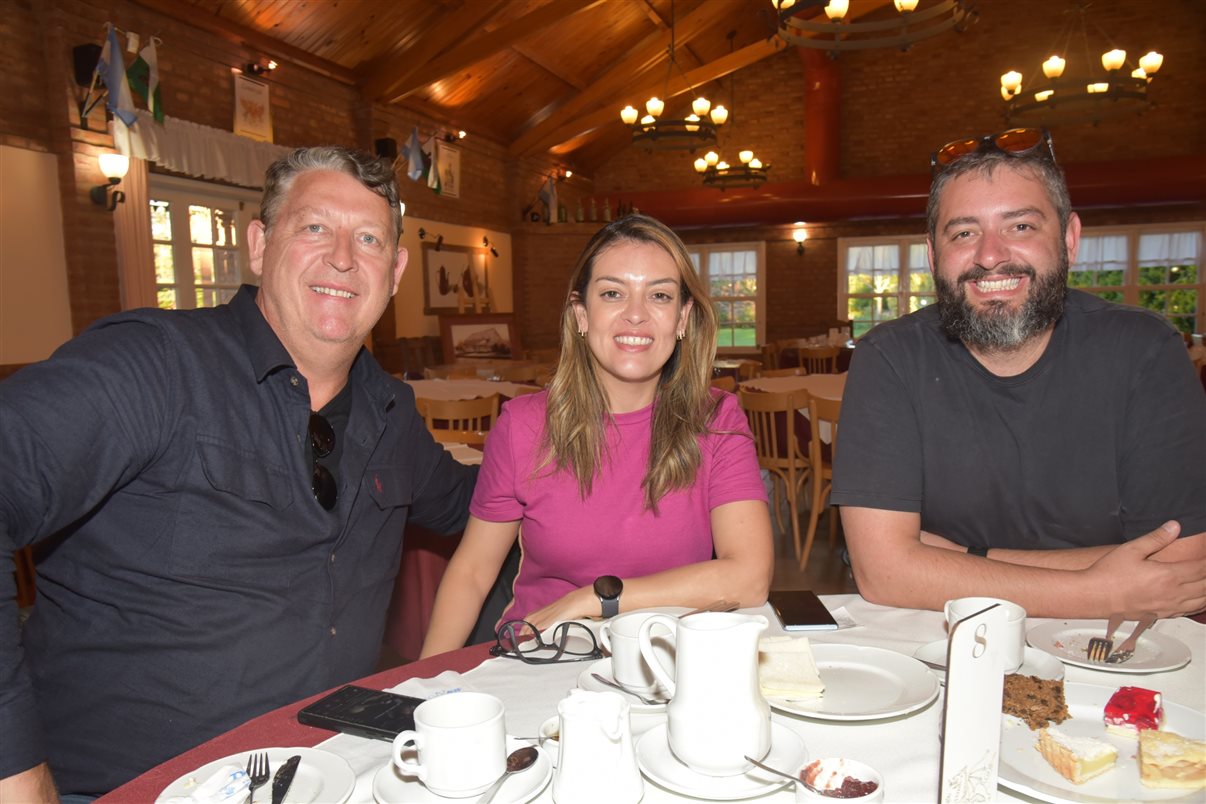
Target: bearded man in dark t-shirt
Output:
{"points": [[1018, 439]]}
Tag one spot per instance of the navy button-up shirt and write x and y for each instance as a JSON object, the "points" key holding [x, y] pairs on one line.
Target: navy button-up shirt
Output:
{"points": [[187, 578]]}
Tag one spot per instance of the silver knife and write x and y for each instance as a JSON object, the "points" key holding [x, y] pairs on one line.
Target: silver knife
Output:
{"points": [[284, 778]]}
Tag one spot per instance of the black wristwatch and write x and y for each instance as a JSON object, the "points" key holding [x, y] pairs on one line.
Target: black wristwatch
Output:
{"points": [[608, 588], [978, 551]]}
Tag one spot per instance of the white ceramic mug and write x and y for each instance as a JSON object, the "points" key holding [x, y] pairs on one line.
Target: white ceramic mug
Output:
{"points": [[461, 743], [628, 667], [1013, 648]]}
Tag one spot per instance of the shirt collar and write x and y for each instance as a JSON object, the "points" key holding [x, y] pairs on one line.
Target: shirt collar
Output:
{"points": [[264, 348]]}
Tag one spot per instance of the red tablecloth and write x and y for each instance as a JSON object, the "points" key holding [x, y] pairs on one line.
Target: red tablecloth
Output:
{"points": [[280, 727]]}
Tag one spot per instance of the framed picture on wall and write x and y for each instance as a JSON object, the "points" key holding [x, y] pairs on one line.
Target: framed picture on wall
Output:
{"points": [[448, 157], [489, 335], [253, 109], [447, 272]]}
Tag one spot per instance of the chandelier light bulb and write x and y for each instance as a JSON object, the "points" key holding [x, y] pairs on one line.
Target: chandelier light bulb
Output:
{"points": [[1054, 67], [1138, 73], [1097, 88], [1044, 95], [1150, 63], [835, 10], [700, 106], [1113, 59], [745, 157], [756, 163], [1006, 94], [783, 5], [647, 120], [719, 114], [692, 118], [701, 165], [1012, 81], [655, 106], [711, 157], [629, 115], [722, 166], [905, 6]]}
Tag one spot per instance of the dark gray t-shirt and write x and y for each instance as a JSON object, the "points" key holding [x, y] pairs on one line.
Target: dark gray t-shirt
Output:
{"points": [[1102, 440]]}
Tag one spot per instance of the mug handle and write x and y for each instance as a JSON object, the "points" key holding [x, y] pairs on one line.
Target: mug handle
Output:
{"points": [[605, 636], [644, 637], [404, 767]]}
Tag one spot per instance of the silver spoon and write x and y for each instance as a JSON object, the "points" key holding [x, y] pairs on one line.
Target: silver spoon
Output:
{"points": [[518, 760], [622, 688], [785, 775]]}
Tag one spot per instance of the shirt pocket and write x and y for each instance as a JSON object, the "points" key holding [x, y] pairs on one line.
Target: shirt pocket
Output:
{"points": [[390, 485], [243, 474]]}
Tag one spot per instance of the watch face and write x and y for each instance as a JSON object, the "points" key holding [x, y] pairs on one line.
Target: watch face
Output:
{"points": [[608, 587]]}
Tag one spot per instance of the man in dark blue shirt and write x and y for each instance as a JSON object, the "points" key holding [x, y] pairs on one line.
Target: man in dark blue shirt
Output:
{"points": [[219, 497]]}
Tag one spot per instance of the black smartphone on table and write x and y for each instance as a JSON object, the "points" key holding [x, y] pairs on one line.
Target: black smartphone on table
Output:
{"points": [[362, 711], [801, 610]]}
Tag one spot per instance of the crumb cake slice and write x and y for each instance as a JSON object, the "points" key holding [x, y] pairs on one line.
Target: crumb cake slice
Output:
{"points": [[1170, 760], [1131, 710], [1035, 700], [1077, 759]]}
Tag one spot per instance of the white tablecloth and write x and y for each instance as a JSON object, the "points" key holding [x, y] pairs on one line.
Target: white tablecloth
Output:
{"points": [[826, 386], [904, 749], [449, 390]]}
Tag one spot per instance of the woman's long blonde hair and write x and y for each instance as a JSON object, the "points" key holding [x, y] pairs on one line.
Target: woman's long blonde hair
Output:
{"points": [[577, 414]]}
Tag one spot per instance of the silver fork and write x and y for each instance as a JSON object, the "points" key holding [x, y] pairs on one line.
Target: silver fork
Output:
{"points": [[258, 772], [1127, 648], [1100, 647]]}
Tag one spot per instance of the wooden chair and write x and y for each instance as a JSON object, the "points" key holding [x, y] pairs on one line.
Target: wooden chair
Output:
{"points": [[725, 383], [821, 412], [748, 370], [784, 372], [25, 577], [464, 421], [819, 359], [770, 356], [772, 419]]}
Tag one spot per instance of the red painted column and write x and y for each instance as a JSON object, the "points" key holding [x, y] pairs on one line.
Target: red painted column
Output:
{"points": [[822, 116]]}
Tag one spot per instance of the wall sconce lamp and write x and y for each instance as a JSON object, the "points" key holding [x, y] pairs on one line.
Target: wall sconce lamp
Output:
{"points": [[439, 239], [799, 234], [487, 244], [115, 167], [255, 68]]}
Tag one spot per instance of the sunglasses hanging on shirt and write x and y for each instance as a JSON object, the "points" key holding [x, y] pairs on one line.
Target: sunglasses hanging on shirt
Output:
{"points": [[322, 441]]}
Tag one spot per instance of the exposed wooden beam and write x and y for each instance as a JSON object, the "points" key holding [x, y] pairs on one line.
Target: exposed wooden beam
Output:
{"points": [[610, 111], [246, 37], [487, 44], [618, 80], [537, 58], [383, 76]]}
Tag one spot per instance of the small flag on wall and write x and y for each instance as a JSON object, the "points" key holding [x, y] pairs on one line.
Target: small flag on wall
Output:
{"points": [[112, 71], [144, 78], [413, 151]]}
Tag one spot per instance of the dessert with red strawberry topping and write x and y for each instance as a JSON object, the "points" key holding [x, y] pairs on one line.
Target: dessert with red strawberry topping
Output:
{"points": [[1131, 710]]}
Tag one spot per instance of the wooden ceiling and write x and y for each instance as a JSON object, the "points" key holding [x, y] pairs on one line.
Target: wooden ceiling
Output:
{"points": [[538, 76]]}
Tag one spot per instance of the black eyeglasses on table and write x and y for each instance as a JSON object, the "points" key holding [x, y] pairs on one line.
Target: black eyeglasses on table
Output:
{"points": [[568, 642], [322, 441]]}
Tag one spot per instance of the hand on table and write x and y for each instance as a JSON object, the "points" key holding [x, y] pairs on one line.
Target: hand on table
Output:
{"points": [[1155, 574], [577, 605]]}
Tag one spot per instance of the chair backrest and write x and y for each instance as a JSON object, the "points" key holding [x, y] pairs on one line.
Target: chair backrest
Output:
{"points": [[773, 422], [770, 356], [823, 415], [784, 372], [463, 420], [748, 369], [819, 359], [725, 383]]}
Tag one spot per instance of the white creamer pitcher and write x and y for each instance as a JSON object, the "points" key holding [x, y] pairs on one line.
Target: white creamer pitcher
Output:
{"points": [[717, 715], [597, 762]]}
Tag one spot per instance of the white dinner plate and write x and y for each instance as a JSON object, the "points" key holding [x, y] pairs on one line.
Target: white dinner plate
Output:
{"points": [[603, 667], [1034, 662], [390, 787], [659, 764], [322, 777], [1023, 768], [1068, 641], [863, 683]]}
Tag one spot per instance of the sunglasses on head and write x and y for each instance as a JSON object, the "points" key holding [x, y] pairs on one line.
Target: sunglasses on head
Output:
{"points": [[322, 441], [1014, 142]]}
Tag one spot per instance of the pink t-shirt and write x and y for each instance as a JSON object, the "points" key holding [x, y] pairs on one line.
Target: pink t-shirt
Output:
{"points": [[567, 541]]}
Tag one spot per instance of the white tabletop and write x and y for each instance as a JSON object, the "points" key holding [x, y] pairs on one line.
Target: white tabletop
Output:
{"points": [[904, 749], [826, 386], [464, 388]]}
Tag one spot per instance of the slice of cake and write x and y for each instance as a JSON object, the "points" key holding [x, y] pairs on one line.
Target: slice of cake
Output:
{"points": [[1035, 700], [1131, 710], [1170, 760], [786, 668], [1077, 759]]}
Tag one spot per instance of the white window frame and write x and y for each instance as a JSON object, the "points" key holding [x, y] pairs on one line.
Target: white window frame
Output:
{"points": [[702, 250], [903, 243], [182, 192]]}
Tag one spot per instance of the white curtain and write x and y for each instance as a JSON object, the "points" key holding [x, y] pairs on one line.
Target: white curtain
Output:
{"points": [[1170, 248]]}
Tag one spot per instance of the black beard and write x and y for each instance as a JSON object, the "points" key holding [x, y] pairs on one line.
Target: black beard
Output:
{"points": [[996, 328]]}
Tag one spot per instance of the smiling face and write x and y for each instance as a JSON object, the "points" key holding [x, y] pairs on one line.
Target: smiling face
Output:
{"points": [[327, 267], [999, 260], [631, 312]]}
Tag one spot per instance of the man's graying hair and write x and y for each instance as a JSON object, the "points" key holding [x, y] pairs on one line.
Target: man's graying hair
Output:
{"points": [[1037, 162], [375, 174]]}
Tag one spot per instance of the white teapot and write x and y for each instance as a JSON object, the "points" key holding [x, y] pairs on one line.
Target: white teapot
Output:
{"points": [[596, 762], [716, 715]]}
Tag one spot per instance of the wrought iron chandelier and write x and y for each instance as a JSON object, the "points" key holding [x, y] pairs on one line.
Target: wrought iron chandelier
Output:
{"points": [[1088, 95], [840, 34], [696, 130], [716, 173]]}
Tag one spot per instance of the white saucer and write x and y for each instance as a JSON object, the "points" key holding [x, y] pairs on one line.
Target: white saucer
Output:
{"points": [[1068, 641], [1034, 661], [321, 776], [659, 764], [603, 667], [390, 787]]}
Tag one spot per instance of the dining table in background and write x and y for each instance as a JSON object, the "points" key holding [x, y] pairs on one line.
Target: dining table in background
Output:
{"points": [[825, 386], [466, 388], [904, 748]]}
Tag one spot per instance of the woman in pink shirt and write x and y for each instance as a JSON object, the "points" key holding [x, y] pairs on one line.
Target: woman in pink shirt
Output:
{"points": [[629, 465]]}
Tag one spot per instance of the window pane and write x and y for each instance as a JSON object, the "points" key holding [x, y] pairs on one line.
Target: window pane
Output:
{"points": [[1100, 262], [1182, 302], [208, 297], [1183, 274], [917, 302], [921, 281], [200, 224], [165, 270], [167, 298], [226, 267], [224, 226], [203, 266], [161, 221]]}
